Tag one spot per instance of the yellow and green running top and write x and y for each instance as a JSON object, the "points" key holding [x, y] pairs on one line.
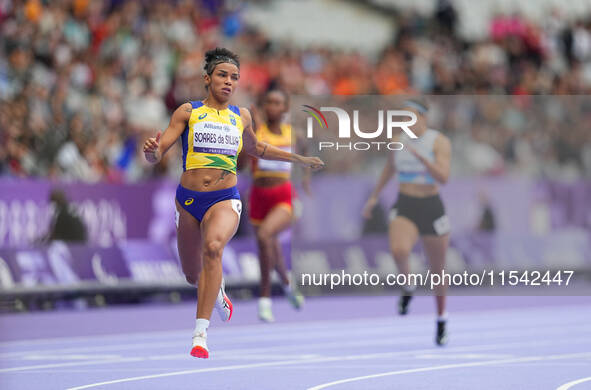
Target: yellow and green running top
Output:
{"points": [[212, 138]]}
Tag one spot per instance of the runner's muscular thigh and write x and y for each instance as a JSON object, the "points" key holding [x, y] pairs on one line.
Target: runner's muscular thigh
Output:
{"points": [[220, 222], [188, 240]]}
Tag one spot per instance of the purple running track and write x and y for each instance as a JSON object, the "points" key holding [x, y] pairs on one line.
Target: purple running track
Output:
{"points": [[333, 343]]}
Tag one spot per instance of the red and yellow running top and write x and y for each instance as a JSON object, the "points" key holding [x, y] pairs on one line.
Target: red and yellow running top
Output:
{"points": [[270, 168]]}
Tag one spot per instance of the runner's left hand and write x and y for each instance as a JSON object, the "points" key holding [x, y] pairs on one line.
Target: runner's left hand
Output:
{"points": [[313, 163]]}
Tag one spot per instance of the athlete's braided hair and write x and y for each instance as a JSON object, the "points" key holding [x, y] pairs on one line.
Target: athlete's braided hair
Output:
{"points": [[217, 56]]}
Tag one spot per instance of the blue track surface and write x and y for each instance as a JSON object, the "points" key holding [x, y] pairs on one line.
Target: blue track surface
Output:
{"points": [[335, 343]]}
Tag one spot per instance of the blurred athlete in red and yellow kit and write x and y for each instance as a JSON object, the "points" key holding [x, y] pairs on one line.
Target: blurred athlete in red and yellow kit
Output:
{"points": [[270, 203]]}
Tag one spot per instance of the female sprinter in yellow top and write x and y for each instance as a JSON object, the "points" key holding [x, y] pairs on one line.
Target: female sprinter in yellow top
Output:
{"points": [[270, 202], [208, 204], [422, 165]]}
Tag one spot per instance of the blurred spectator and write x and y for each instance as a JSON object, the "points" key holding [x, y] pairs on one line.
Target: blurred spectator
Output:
{"points": [[83, 82], [446, 16], [487, 219], [66, 224]]}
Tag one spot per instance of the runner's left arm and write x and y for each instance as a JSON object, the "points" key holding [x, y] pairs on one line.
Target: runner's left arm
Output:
{"points": [[265, 151], [440, 168]]}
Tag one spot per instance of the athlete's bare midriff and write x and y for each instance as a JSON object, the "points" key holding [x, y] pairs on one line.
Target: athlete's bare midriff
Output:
{"points": [[419, 190], [208, 179], [269, 181]]}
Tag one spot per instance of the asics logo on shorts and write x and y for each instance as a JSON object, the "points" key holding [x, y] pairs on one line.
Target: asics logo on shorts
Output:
{"points": [[189, 201]]}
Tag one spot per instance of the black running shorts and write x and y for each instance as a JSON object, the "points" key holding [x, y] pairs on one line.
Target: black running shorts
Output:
{"points": [[428, 214]]}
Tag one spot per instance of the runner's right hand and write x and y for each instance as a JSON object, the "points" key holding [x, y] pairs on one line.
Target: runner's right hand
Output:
{"points": [[151, 148], [368, 207]]}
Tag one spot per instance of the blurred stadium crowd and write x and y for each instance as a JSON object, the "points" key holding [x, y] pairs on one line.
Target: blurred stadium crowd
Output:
{"points": [[82, 82]]}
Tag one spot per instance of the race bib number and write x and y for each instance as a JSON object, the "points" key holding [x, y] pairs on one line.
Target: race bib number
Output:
{"points": [[276, 166], [216, 138]]}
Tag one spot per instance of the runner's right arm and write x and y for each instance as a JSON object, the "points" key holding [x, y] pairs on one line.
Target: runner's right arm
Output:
{"points": [[387, 173], [156, 147]]}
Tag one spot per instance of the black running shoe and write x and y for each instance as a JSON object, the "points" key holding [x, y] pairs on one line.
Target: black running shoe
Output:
{"points": [[403, 304], [441, 336]]}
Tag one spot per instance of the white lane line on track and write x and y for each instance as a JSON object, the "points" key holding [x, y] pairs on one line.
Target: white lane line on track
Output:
{"points": [[369, 341], [304, 330], [523, 311], [451, 366], [568, 385], [457, 356], [72, 364], [230, 354], [276, 327], [330, 359], [380, 355], [307, 335], [71, 357]]}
